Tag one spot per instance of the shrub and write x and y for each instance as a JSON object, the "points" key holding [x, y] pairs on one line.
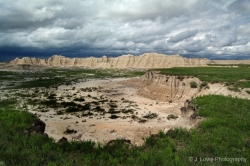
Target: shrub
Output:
{"points": [[171, 116], [72, 109], [70, 131], [180, 77], [126, 111], [193, 84], [59, 112], [79, 99], [113, 116], [99, 109], [203, 84], [51, 96], [150, 116], [86, 107], [51, 103], [142, 120]]}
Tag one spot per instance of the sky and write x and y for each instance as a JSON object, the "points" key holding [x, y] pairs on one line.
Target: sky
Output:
{"points": [[215, 29]]}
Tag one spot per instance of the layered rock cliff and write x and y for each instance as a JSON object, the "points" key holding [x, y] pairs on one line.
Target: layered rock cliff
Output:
{"points": [[165, 87], [147, 60]]}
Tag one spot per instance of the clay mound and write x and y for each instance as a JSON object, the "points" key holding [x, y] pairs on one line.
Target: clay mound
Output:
{"points": [[165, 87], [147, 60]]}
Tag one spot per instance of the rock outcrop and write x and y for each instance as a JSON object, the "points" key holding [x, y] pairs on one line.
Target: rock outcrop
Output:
{"points": [[147, 60], [156, 86], [37, 128]]}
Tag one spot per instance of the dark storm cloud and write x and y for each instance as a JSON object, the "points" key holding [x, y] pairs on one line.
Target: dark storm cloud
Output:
{"points": [[115, 27]]}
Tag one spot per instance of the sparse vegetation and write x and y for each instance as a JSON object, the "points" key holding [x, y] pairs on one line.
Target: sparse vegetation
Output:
{"points": [[70, 131], [114, 116], [204, 84], [172, 116], [151, 116], [193, 84], [79, 99]]}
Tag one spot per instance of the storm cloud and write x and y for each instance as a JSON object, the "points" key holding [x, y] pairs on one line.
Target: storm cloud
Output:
{"points": [[212, 29]]}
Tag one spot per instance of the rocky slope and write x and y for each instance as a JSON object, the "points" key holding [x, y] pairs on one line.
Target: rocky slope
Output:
{"points": [[147, 60], [172, 88], [165, 87]]}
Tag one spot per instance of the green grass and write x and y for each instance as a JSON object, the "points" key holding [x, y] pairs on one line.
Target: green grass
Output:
{"points": [[230, 65], [228, 75], [224, 133], [8, 75], [55, 76], [39, 83]]}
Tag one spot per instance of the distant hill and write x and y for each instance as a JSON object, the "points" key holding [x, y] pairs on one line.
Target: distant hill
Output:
{"points": [[147, 60]]}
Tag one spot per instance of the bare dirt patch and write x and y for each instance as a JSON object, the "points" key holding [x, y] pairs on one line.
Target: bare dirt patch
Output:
{"points": [[125, 108], [133, 116]]}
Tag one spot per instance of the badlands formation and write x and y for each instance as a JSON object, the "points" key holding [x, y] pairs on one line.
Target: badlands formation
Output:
{"points": [[124, 108], [147, 60], [131, 108]]}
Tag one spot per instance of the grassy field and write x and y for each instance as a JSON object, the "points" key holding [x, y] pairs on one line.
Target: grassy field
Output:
{"points": [[236, 77], [230, 65]]}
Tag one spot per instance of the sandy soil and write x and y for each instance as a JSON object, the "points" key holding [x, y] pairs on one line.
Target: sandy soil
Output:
{"points": [[221, 89], [101, 128], [104, 129]]}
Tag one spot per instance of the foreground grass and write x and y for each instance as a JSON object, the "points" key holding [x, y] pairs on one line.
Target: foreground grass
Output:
{"points": [[227, 75], [224, 133]]}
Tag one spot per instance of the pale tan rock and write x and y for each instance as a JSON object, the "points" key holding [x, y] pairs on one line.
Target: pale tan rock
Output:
{"points": [[168, 88], [147, 60]]}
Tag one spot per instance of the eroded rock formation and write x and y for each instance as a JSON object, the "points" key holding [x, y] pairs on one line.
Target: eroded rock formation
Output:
{"points": [[162, 87], [147, 60]]}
